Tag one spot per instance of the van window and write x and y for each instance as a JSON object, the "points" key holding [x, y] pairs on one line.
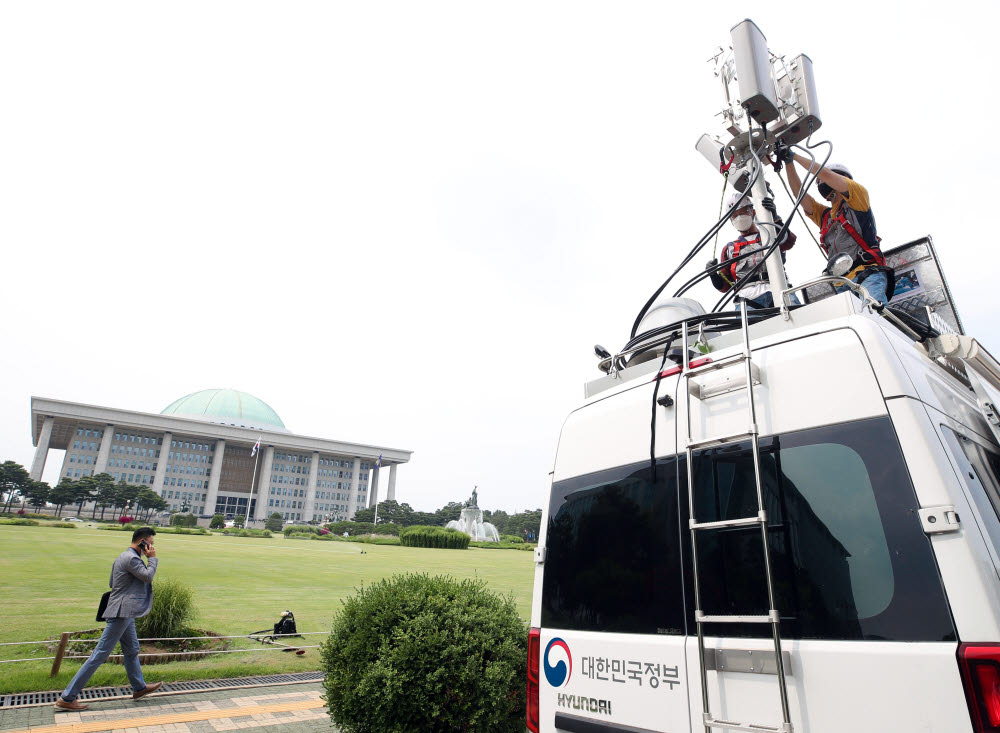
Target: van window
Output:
{"points": [[849, 557], [613, 553], [983, 483]]}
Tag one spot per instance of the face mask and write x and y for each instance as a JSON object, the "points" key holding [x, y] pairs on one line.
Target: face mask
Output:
{"points": [[827, 192], [742, 222]]}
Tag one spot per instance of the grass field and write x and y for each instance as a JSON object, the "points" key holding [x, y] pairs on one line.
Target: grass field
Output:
{"points": [[53, 579]]}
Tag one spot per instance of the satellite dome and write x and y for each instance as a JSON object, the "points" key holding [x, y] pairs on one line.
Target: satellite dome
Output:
{"points": [[226, 407]]}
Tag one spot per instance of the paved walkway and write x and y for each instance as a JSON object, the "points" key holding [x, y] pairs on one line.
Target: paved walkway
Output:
{"points": [[284, 708]]}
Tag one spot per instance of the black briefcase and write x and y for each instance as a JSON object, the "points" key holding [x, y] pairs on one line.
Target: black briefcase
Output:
{"points": [[103, 606]]}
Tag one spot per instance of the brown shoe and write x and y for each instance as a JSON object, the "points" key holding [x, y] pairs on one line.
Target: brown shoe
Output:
{"points": [[149, 688], [70, 705]]}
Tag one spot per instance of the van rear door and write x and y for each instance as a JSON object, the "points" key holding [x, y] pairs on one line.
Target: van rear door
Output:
{"points": [[865, 624], [612, 609]]}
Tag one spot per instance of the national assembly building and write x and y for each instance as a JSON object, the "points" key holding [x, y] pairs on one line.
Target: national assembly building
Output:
{"points": [[217, 451]]}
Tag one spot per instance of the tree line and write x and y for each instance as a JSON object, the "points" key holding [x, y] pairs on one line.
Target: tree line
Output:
{"points": [[523, 524], [16, 487]]}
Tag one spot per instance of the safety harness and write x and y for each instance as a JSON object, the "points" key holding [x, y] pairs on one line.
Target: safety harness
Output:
{"points": [[739, 244], [869, 259], [874, 254]]}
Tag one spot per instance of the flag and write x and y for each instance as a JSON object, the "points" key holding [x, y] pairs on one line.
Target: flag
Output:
{"points": [[255, 447], [378, 461]]}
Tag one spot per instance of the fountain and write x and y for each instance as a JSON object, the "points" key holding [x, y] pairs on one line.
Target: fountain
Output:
{"points": [[471, 522]]}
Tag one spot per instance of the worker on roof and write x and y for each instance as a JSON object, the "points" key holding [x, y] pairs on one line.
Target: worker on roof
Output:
{"points": [[847, 225], [740, 256]]}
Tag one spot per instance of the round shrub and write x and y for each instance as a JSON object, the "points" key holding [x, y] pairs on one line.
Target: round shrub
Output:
{"points": [[218, 522], [274, 522], [388, 528], [512, 538], [172, 610], [432, 654], [420, 535]]}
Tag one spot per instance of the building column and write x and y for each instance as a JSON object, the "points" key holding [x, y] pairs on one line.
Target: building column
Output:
{"points": [[353, 504], [311, 488], [42, 451], [390, 493], [264, 482], [159, 480], [213, 477], [107, 437], [373, 488]]}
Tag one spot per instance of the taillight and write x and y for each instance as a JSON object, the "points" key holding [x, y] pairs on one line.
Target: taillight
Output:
{"points": [[678, 369], [534, 651], [980, 665]]}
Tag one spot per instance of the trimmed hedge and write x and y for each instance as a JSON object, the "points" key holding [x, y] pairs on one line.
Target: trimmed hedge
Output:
{"points": [[300, 529], [183, 520], [21, 522], [513, 538], [352, 528], [159, 530], [501, 546], [237, 532], [372, 539], [420, 535], [430, 654]]}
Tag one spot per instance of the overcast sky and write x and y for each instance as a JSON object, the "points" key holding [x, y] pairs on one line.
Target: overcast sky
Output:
{"points": [[408, 223]]}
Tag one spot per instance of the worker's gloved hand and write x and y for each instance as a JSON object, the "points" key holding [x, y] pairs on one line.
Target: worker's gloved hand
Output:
{"points": [[712, 265], [768, 203], [782, 155]]}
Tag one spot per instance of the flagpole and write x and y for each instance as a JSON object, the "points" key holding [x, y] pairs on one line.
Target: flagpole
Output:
{"points": [[246, 522]]}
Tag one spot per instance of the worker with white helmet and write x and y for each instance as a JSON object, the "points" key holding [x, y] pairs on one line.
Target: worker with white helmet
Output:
{"points": [[847, 225], [740, 256]]}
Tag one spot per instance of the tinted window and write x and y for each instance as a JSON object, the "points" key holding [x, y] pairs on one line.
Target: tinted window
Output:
{"points": [[612, 559], [849, 557]]}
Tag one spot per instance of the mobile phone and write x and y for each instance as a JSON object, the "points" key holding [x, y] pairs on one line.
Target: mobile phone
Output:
{"points": [[143, 545]]}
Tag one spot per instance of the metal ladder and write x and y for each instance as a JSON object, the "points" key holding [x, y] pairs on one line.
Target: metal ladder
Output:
{"points": [[772, 617]]}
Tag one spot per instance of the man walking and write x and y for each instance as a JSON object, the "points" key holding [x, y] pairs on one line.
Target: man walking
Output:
{"points": [[131, 598]]}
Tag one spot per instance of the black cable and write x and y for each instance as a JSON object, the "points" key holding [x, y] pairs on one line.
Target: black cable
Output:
{"points": [[694, 251], [808, 181], [709, 270], [652, 420]]}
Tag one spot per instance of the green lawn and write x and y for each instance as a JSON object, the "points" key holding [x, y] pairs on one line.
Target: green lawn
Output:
{"points": [[53, 579]]}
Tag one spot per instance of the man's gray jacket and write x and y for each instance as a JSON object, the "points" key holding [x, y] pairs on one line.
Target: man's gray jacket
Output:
{"points": [[131, 586]]}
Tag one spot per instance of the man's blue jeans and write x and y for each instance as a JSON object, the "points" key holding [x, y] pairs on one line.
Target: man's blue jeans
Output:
{"points": [[118, 629], [765, 300], [875, 284]]}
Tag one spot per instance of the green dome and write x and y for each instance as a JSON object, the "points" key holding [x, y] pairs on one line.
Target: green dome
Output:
{"points": [[227, 407]]}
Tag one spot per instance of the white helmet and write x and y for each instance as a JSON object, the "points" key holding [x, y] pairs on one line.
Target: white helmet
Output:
{"points": [[735, 197], [841, 169]]}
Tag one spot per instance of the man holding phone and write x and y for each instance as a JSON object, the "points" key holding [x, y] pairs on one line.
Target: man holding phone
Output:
{"points": [[131, 597]]}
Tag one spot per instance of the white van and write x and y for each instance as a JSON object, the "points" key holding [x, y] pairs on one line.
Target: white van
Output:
{"points": [[880, 478]]}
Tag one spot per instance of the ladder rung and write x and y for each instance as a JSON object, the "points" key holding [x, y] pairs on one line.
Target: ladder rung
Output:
{"points": [[751, 727], [720, 439], [742, 522], [768, 618], [712, 366]]}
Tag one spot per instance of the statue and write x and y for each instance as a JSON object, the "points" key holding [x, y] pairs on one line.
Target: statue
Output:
{"points": [[471, 521]]}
